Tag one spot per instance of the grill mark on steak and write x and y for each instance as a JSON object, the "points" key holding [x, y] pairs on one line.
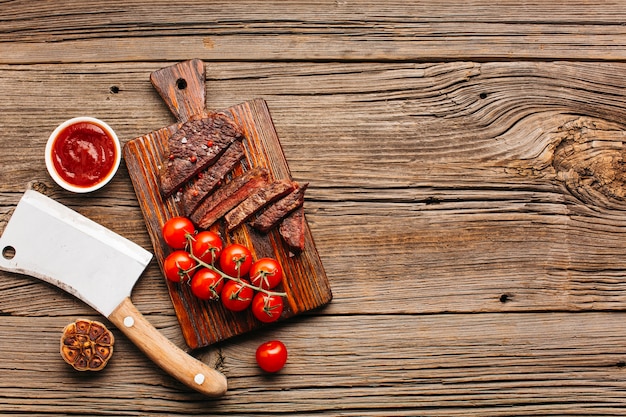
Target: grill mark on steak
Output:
{"points": [[197, 144], [257, 201], [292, 230], [278, 210], [197, 190], [229, 196]]}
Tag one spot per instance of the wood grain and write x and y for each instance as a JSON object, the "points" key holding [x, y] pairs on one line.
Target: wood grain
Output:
{"points": [[466, 364], [329, 30], [465, 162]]}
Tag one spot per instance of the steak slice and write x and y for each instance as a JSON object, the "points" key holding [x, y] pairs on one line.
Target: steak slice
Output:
{"points": [[281, 208], [207, 181], [292, 230], [257, 201], [197, 144], [229, 196]]}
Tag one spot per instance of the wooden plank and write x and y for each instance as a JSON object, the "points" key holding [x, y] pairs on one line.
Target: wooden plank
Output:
{"points": [[364, 30], [533, 364]]}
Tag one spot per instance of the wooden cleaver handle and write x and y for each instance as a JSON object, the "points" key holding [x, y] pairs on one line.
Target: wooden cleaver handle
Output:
{"points": [[182, 366]]}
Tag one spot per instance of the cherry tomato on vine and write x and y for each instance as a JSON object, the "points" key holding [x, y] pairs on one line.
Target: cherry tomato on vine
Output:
{"points": [[236, 296], [235, 260], [175, 232], [207, 284], [207, 246], [267, 308], [266, 273], [178, 266], [271, 356]]}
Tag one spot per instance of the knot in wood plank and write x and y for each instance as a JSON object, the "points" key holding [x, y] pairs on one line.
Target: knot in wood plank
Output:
{"points": [[589, 161]]}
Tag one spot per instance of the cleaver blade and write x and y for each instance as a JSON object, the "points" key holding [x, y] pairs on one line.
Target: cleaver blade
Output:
{"points": [[49, 241]]}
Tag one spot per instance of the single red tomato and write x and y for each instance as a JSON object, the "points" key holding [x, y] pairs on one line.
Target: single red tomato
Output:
{"points": [[266, 273], [207, 246], [207, 284], [178, 266], [236, 296], [267, 308], [271, 356], [176, 230], [236, 260]]}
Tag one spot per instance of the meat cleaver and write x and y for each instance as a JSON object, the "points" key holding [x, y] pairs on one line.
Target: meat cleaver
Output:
{"points": [[99, 267]]}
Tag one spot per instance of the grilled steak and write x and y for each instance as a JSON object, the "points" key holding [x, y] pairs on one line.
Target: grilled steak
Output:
{"points": [[292, 230], [278, 210], [197, 144], [229, 196], [257, 201], [207, 181]]}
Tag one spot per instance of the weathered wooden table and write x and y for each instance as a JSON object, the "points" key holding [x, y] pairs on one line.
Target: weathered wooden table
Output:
{"points": [[467, 198]]}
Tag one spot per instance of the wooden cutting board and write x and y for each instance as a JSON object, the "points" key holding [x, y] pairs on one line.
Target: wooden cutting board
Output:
{"points": [[182, 87]]}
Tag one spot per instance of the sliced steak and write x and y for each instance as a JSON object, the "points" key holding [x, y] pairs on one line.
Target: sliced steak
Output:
{"points": [[292, 230], [278, 210], [197, 144], [228, 196], [207, 181], [257, 201]]}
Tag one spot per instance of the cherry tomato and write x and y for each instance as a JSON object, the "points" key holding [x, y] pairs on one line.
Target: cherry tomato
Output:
{"points": [[267, 308], [235, 296], [207, 246], [236, 260], [266, 273], [175, 232], [271, 356], [207, 284], [178, 266]]}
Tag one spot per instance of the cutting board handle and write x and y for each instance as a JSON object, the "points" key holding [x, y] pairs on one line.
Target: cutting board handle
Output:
{"points": [[181, 86], [182, 366]]}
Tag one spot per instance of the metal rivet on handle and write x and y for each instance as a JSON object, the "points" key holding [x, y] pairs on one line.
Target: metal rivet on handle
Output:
{"points": [[198, 379], [129, 321]]}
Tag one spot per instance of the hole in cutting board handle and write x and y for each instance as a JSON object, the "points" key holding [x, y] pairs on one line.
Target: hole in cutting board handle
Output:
{"points": [[181, 83], [8, 252], [182, 87]]}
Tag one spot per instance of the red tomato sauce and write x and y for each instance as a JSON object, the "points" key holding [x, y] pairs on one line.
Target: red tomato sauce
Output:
{"points": [[83, 154]]}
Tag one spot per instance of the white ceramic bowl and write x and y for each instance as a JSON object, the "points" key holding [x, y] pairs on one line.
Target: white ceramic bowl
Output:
{"points": [[50, 165]]}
